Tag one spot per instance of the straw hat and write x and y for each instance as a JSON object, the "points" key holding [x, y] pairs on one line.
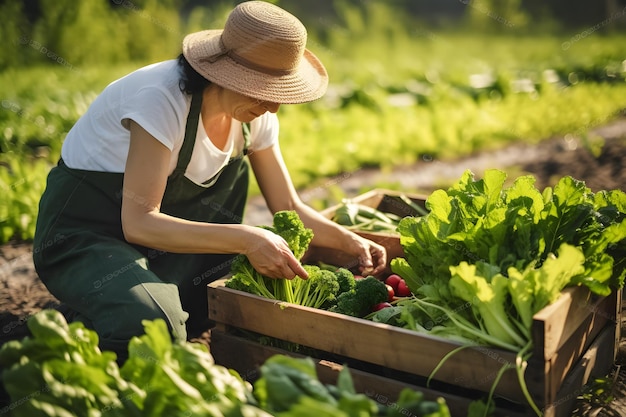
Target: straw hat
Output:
{"points": [[260, 53]]}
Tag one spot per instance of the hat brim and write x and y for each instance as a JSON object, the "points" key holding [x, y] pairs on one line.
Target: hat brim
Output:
{"points": [[307, 83]]}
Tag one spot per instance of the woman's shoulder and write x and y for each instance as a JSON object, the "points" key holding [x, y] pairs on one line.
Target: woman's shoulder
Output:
{"points": [[163, 75], [153, 86]]}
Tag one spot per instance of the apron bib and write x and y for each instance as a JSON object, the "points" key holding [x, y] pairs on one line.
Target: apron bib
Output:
{"points": [[82, 257]]}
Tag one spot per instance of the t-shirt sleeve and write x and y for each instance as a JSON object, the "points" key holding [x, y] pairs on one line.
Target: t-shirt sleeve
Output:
{"points": [[264, 131], [158, 112]]}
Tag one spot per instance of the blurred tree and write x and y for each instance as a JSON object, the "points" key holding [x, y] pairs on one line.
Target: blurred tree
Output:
{"points": [[12, 33], [495, 15], [98, 31], [201, 17], [152, 28], [95, 36], [55, 17]]}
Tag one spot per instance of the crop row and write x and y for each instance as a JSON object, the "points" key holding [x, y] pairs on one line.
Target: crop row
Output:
{"points": [[369, 117]]}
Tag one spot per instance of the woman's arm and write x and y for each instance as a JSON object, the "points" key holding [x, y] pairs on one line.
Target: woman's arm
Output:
{"points": [[278, 190], [145, 179]]}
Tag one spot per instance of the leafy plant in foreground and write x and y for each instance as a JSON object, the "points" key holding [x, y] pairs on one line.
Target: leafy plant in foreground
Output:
{"points": [[289, 387], [60, 371], [486, 258]]}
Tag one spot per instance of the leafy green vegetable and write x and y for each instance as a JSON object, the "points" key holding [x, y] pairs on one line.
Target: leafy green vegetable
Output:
{"points": [[289, 387], [488, 300], [288, 225], [182, 377], [481, 220], [60, 371], [245, 278], [345, 279], [534, 288], [413, 403], [318, 291], [284, 380], [487, 257]]}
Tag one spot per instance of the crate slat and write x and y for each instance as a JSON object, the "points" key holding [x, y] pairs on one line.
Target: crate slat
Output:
{"points": [[246, 357]]}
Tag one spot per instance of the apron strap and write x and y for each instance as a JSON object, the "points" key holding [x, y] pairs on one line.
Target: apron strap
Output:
{"points": [[191, 130], [245, 129]]}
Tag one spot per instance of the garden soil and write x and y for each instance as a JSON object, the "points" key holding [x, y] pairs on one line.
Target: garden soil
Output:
{"points": [[598, 158]]}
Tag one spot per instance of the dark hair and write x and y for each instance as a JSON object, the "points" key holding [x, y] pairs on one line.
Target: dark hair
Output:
{"points": [[190, 81]]}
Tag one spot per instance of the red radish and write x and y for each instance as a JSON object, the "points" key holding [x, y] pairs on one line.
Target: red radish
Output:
{"points": [[393, 280], [380, 306], [403, 290], [391, 293]]}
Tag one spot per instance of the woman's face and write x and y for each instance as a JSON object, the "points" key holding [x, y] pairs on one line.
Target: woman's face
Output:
{"points": [[244, 108]]}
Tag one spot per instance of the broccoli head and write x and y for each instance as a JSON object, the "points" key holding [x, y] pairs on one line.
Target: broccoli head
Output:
{"points": [[367, 292], [346, 280], [318, 290], [288, 225], [324, 289]]}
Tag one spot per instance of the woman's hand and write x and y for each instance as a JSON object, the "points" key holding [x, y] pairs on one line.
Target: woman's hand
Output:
{"points": [[270, 255], [372, 256]]}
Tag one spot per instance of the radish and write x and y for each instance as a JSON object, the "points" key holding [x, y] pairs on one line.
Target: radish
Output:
{"points": [[390, 292], [403, 290], [393, 280], [380, 306]]}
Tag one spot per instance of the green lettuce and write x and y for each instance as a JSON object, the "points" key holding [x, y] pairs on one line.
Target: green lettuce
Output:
{"points": [[487, 257]]}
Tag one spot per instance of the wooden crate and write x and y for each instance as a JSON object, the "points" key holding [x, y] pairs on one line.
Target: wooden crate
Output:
{"points": [[574, 339], [386, 201], [563, 334]]}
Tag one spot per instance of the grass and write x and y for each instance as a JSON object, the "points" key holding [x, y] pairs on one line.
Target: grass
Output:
{"points": [[393, 100]]}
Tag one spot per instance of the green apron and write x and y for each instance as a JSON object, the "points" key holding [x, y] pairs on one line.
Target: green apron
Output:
{"points": [[80, 253]]}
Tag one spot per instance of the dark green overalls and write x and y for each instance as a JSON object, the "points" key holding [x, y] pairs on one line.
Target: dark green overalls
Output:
{"points": [[82, 257]]}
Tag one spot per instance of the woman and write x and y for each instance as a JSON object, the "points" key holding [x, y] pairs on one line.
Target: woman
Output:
{"points": [[145, 206]]}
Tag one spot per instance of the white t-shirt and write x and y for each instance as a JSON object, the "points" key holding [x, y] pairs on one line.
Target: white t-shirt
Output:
{"points": [[151, 96]]}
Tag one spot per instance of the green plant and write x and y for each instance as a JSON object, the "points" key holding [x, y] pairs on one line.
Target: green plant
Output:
{"points": [[487, 257], [319, 289], [383, 113]]}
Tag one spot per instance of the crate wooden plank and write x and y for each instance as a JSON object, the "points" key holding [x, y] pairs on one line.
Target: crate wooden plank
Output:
{"points": [[579, 341], [405, 350], [597, 361], [565, 348], [246, 357], [377, 343], [554, 324]]}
